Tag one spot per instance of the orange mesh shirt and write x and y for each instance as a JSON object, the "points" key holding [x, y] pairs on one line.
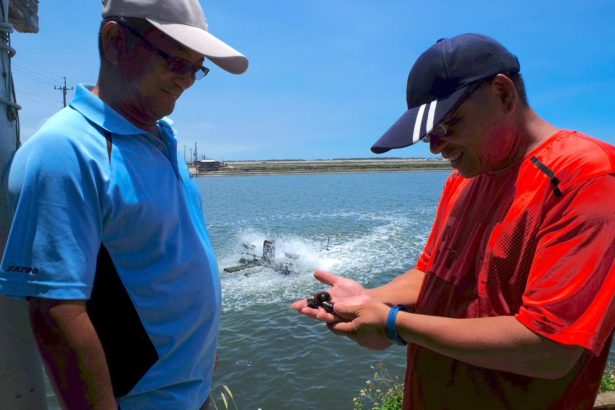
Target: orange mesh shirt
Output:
{"points": [[536, 242]]}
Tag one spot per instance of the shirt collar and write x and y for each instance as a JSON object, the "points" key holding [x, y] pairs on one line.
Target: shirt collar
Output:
{"points": [[101, 114]]}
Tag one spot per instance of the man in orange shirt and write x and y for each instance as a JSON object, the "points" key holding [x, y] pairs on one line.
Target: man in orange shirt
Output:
{"points": [[511, 302]]}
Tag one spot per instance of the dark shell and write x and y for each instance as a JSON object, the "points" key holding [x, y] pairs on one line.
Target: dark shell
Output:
{"points": [[312, 303], [322, 297]]}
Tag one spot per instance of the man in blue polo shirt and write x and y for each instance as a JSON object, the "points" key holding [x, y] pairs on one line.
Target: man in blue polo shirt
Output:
{"points": [[108, 240]]}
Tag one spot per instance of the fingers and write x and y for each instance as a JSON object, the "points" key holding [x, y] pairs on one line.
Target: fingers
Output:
{"points": [[341, 328], [299, 305], [320, 314], [325, 277], [302, 306], [344, 328], [344, 311], [315, 313]]}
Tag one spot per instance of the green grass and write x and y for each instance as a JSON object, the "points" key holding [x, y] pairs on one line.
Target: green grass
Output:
{"points": [[383, 392], [608, 378]]}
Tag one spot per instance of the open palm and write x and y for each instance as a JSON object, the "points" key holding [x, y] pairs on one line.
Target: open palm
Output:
{"points": [[342, 290]]}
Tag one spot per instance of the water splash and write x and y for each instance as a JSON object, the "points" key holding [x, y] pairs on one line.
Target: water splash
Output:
{"points": [[361, 246]]}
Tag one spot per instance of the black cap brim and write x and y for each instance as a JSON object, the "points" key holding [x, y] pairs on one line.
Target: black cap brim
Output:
{"points": [[417, 122]]}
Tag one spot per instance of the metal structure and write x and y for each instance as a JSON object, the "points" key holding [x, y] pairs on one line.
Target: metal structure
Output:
{"points": [[249, 259], [21, 375]]}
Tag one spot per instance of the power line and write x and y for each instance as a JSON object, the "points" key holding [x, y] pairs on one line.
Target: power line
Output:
{"points": [[22, 61], [34, 97], [42, 97], [33, 73], [23, 76], [35, 100]]}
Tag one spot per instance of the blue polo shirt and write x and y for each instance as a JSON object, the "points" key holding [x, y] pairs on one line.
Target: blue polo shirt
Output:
{"points": [[89, 183]]}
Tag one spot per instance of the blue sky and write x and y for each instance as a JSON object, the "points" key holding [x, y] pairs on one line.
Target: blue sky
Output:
{"points": [[327, 77]]}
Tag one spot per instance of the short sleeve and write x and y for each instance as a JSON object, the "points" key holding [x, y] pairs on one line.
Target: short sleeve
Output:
{"points": [[56, 224], [570, 291]]}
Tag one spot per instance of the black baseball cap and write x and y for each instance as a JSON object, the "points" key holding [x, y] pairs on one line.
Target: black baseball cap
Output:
{"points": [[438, 80]]}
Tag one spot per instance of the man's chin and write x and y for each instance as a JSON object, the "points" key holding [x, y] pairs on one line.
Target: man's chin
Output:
{"points": [[467, 173], [165, 111]]}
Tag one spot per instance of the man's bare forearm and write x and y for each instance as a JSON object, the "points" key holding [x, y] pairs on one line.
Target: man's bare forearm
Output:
{"points": [[72, 354], [500, 343], [402, 290]]}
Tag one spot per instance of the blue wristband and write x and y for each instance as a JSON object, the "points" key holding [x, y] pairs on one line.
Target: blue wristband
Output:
{"points": [[391, 328]]}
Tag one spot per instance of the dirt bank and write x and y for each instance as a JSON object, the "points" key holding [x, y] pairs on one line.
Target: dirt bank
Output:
{"points": [[327, 166]]}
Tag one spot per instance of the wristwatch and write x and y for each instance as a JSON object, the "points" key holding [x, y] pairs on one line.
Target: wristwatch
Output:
{"points": [[391, 328]]}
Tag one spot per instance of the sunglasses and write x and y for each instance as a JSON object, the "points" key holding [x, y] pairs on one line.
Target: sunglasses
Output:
{"points": [[441, 128], [177, 65]]}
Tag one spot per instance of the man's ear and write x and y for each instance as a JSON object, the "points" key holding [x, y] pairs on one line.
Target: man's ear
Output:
{"points": [[505, 91], [113, 41]]}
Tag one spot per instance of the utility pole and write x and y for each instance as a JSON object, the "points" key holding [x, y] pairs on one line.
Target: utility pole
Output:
{"points": [[64, 90], [196, 153]]}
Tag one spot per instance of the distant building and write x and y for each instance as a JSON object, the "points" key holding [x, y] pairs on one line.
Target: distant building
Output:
{"points": [[208, 165]]}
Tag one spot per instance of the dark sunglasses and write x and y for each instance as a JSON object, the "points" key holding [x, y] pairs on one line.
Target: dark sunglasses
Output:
{"points": [[175, 64], [441, 129]]}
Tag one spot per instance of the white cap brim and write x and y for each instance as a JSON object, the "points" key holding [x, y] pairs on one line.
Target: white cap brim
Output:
{"points": [[201, 41]]}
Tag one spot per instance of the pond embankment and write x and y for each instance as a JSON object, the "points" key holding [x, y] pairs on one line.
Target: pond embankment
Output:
{"points": [[326, 166]]}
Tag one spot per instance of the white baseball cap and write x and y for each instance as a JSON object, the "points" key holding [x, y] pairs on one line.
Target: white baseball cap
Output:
{"points": [[184, 21]]}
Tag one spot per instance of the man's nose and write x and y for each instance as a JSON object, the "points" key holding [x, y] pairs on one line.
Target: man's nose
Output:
{"points": [[436, 144], [185, 80]]}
